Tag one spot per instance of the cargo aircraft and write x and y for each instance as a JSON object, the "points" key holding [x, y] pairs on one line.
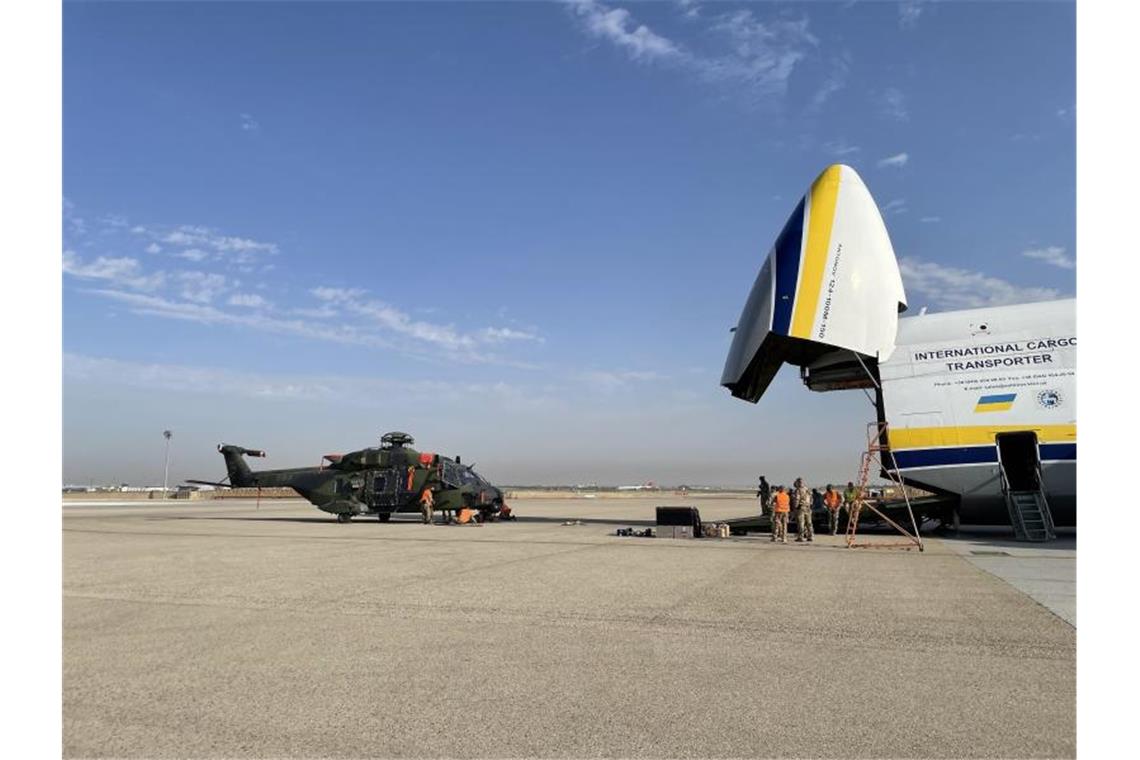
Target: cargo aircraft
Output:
{"points": [[977, 406]]}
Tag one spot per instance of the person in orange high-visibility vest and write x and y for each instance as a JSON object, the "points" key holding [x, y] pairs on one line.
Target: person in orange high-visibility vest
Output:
{"points": [[832, 500], [781, 506], [427, 505]]}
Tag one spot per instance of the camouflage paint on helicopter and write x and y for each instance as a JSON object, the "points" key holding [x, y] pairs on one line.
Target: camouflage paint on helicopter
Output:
{"points": [[376, 481]]}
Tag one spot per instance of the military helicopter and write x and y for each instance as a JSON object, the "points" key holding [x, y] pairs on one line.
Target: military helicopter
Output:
{"points": [[374, 481]]}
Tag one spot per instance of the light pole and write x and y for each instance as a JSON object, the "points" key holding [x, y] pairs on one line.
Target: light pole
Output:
{"points": [[166, 469]]}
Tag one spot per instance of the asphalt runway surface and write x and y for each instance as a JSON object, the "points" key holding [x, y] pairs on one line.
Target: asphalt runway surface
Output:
{"points": [[218, 629]]}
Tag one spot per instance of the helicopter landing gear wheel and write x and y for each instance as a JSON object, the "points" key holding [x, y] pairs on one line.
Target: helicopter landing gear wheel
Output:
{"points": [[384, 516], [343, 517]]}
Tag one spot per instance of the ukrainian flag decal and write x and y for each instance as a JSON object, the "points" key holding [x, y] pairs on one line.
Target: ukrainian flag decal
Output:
{"points": [[997, 403]]}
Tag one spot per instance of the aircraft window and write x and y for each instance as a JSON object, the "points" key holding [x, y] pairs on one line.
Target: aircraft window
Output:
{"points": [[471, 478], [453, 474]]}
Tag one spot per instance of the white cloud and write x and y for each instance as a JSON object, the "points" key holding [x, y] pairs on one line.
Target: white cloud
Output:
{"points": [[207, 296], [249, 124], [76, 225], [835, 81], [689, 9], [400, 322], [908, 13], [337, 294], [325, 311], [896, 161], [394, 320], [892, 103], [609, 381], [359, 390], [192, 379], [122, 271], [193, 254], [205, 314], [1053, 255], [930, 219], [952, 288], [202, 243], [763, 54], [503, 334], [617, 26], [252, 300], [840, 148], [897, 206], [758, 55], [201, 287]]}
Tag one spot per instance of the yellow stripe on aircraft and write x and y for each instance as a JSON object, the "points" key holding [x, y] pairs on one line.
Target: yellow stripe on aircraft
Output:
{"points": [[821, 214], [973, 435], [997, 406]]}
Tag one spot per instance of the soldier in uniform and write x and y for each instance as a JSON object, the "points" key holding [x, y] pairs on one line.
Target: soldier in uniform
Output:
{"points": [[850, 493], [764, 497], [764, 494], [427, 505], [801, 499]]}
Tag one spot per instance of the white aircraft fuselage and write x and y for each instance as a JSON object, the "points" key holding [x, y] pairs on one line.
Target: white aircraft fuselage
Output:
{"points": [[977, 403], [959, 382]]}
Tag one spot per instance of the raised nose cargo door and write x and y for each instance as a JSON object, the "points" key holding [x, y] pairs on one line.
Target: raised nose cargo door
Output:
{"points": [[830, 283]]}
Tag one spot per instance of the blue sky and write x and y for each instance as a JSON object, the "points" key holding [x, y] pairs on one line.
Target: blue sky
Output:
{"points": [[521, 231]]}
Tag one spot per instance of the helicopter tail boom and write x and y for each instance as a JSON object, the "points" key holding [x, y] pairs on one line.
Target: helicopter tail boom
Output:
{"points": [[239, 473]]}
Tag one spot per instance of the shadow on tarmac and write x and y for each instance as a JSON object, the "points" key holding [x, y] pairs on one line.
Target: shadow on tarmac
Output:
{"points": [[584, 520], [1002, 537], [408, 518]]}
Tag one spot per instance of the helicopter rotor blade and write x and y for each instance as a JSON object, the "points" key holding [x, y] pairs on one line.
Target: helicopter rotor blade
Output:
{"points": [[209, 483]]}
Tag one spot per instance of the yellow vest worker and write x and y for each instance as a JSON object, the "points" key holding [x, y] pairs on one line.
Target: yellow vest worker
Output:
{"points": [[427, 505]]}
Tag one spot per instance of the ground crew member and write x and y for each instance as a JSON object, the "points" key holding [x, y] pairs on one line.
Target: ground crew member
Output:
{"points": [[832, 500], [850, 494], [772, 509], [781, 505], [427, 505], [802, 499], [764, 493]]}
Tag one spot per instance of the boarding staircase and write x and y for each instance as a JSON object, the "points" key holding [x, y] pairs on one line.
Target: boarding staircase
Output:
{"points": [[877, 456], [1028, 511]]}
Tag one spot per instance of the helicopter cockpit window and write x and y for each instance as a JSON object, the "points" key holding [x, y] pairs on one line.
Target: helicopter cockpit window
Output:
{"points": [[453, 474], [472, 478]]}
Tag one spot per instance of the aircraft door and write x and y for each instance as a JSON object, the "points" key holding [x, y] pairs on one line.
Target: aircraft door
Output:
{"points": [[384, 489], [1019, 456]]}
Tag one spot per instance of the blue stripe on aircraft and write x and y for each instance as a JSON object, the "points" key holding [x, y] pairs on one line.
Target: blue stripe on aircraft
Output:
{"points": [[999, 398], [914, 458], [1058, 451], [788, 246]]}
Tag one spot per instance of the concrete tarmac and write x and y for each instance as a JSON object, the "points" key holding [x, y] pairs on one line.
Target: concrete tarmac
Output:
{"points": [[217, 629]]}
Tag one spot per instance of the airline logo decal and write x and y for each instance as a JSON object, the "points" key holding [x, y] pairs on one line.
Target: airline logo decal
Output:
{"points": [[998, 402]]}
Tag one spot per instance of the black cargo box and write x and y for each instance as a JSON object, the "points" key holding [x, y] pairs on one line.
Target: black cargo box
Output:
{"points": [[680, 516]]}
